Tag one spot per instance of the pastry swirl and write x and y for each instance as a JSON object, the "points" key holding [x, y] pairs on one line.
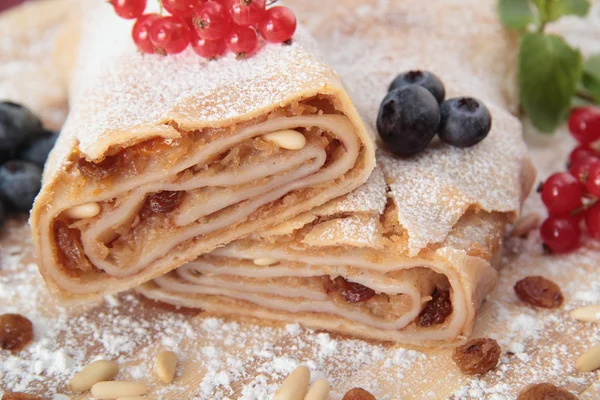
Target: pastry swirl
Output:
{"points": [[163, 159]]}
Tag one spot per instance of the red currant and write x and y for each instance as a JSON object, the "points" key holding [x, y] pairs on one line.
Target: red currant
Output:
{"points": [[592, 221], [243, 40], [129, 9], [584, 124], [580, 169], [593, 182], [141, 34], [181, 8], [212, 21], [226, 3], [561, 234], [248, 12], [582, 151], [278, 25], [170, 35], [561, 194], [209, 48]]}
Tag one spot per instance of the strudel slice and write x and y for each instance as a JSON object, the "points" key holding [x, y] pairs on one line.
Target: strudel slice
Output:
{"points": [[409, 256], [359, 265], [163, 159]]}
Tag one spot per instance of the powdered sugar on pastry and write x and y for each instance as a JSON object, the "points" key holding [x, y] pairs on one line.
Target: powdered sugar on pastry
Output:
{"points": [[434, 189], [370, 197], [184, 88]]}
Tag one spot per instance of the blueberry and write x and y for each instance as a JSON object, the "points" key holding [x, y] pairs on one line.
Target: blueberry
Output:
{"points": [[428, 80], [20, 182], [37, 151], [18, 125], [1, 214], [408, 119], [465, 121]]}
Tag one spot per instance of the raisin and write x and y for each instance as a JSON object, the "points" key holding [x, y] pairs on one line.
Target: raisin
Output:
{"points": [[20, 396], [358, 394], [437, 309], [351, 291], [164, 202], [101, 170], [539, 291], [69, 243], [477, 356], [545, 391], [16, 332]]}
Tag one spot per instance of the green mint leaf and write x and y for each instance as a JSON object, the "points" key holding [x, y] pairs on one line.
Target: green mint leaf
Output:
{"points": [[551, 10], [591, 77], [515, 14], [549, 70]]}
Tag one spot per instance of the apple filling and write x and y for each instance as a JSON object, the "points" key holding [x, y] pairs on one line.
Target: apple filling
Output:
{"points": [[154, 195]]}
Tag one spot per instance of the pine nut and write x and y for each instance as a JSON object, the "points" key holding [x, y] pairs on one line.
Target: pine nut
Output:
{"points": [[88, 210], [287, 139], [525, 225], [319, 390], [166, 362], [265, 261], [589, 313], [117, 389], [590, 360], [294, 386], [98, 371]]}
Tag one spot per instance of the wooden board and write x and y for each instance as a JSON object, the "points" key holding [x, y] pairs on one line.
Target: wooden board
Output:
{"points": [[247, 359]]}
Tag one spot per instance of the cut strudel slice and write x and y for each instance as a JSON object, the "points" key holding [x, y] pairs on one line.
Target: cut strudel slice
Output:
{"points": [[410, 256], [163, 159], [390, 261]]}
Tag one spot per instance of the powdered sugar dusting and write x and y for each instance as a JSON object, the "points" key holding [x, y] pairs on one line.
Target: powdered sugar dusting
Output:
{"points": [[183, 88], [370, 197], [434, 189], [355, 231]]}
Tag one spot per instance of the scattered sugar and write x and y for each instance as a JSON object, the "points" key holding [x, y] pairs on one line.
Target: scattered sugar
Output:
{"points": [[293, 329], [137, 372], [327, 346], [284, 365]]}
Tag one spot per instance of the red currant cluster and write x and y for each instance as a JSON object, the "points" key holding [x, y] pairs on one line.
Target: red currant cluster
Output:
{"points": [[572, 197], [211, 27]]}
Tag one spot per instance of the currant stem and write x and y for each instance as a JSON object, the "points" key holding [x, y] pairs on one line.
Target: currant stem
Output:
{"points": [[542, 27], [271, 2], [160, 4], [585, 96]]}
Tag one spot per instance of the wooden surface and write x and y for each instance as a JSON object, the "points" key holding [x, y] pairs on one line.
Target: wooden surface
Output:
{"points": [[231, 359]]}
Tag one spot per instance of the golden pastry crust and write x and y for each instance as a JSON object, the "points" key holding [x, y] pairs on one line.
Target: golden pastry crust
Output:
{"points": [[169, 111]]}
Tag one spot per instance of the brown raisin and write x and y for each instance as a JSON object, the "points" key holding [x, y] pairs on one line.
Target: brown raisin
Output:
{"points": [[69, 242], [101, 170], [16, 332], [477, 356], [358, 394], [539, 291], [164, 202], [351, 291], [436, 310], [545, 391], [20, 396]]}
